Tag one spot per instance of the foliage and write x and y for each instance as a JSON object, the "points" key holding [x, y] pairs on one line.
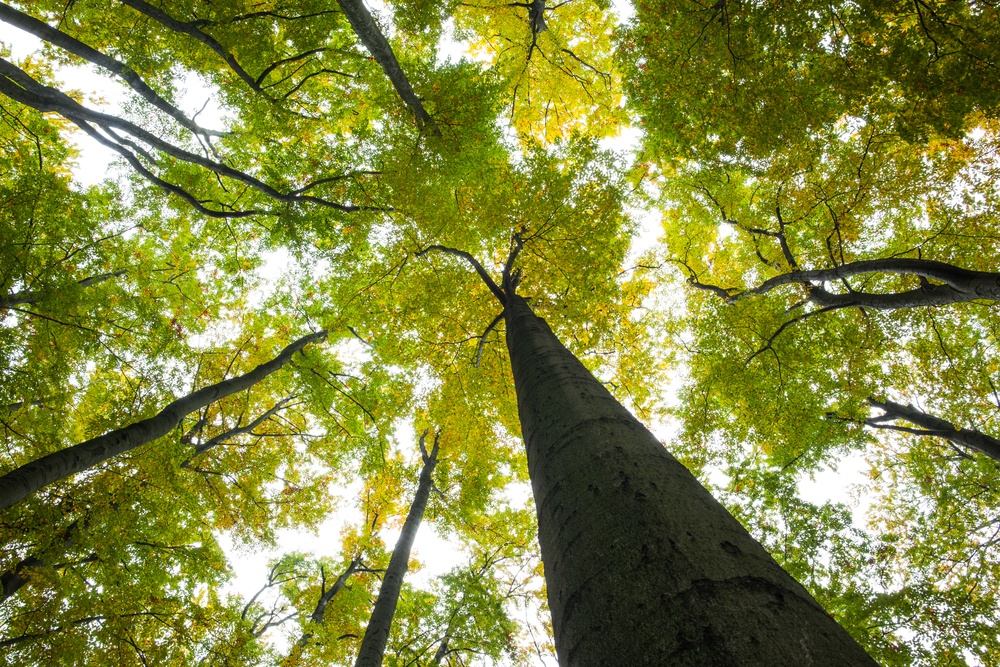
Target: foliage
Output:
{"points": [[779, 137]]}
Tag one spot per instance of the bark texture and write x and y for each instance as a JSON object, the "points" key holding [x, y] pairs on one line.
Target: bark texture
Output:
{"points": [[368, 32], [643, 566], [377, 633], [931, 426], [25, 480]]}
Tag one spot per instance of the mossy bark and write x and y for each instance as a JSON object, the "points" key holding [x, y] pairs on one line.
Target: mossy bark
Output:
{"points": [[643, 566]]}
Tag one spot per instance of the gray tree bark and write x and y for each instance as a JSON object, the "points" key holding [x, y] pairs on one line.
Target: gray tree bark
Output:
{"points": [[377, 633], [643, 566], [958, 284], [25, 480], [368, 32]]}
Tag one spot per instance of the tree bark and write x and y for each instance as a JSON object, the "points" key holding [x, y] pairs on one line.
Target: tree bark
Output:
{"points": [[932, 426], [643, 566], [377, 633], [368, 32], [25, 480]]}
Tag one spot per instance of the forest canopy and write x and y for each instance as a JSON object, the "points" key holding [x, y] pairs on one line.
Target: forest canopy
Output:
{"points": [[769, 230]]}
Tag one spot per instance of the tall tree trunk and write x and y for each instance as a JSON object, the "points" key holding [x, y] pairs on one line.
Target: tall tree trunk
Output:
{"points": [[25, 480], [932, 426], [643, 566], [377, 633], [368, 32]]}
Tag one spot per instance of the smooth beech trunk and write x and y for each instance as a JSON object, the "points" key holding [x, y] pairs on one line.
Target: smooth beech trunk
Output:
{"points": [[377, 633], [25, 480], [643, 566]]}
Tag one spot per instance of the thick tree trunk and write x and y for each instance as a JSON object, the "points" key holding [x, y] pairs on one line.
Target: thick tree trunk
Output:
{"points": [[932, 426], [21, 482], [643, 566], [377, 633], [368, 32]]}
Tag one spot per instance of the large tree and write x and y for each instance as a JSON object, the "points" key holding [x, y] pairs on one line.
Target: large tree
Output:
{"points": [[343, 148]]}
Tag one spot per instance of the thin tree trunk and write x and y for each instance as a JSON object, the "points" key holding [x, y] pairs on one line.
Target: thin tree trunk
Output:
{"points": [[932, 426], [376, 43], [31, 297], [377, 633], [25, 480], [326, 595], [643, 566]]}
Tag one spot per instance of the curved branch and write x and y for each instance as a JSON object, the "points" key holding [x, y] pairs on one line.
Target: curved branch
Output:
{"points": [[482, 339], [21, 87], [932, 426], [182, 27], [497, 292], [58, 38], [211, 443], [959, 284]]}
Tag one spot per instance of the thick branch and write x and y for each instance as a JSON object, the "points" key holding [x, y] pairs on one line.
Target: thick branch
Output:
{"points": [[30, 477], [959, 284], [934, 427]]}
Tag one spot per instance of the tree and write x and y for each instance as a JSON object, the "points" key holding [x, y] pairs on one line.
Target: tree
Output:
{"points": [[36, 474], [316, 163], [665, 543], [377, 630]]}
